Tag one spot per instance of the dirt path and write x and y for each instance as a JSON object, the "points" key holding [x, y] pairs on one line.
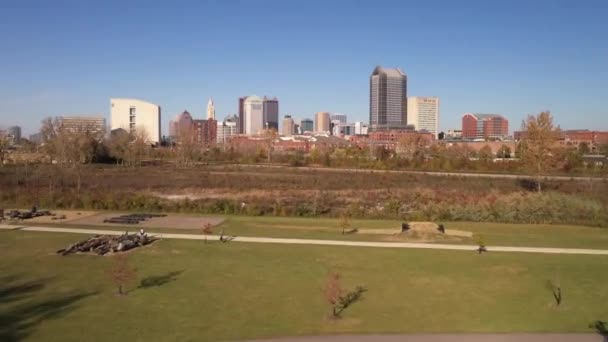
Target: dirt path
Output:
{"points": [[445, 338], [469, 248]]}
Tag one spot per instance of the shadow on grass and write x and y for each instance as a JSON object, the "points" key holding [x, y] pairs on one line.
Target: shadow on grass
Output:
{"points": [[159, 280], [26, 311], [601, 328], [11, 290]]}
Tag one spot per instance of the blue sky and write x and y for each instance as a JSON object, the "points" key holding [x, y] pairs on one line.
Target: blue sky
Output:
{"points": [[508, 57]]}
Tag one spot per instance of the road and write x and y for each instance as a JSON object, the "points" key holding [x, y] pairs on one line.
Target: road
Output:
{"points": [[542, 250], [445, 338], [429, 173]]}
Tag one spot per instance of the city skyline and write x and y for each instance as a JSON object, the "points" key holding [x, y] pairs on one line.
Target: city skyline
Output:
{"points": [[515, 59]]}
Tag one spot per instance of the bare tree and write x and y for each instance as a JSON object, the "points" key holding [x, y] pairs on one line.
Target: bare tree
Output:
{"points": [[504, 152], [335, 296], [73, 146], [118, 145], [187, 148], [411, 146], [129, 148], [5, 143], [333, 291], [485, 154], [538, 144], [138, 147], [344, 223], [122, 273], [207, 230], [271, 136]]}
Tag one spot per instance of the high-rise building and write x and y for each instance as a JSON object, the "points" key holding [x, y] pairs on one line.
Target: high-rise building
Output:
{"points": [[82, 124], [253, 114], [241, 114], [271, 113], [307, 125], [227, 129], [181, 124], [15, 133], [322, 122], [423, 113], [288, 126], [36, 138], [132, 115], [482, 126], [338, 117], [205, 132], [210, 110], [387, 99]]}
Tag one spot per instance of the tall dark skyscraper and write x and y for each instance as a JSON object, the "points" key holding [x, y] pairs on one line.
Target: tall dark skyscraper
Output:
{"points": [[387, 99], [271, 113], [241, 121]]}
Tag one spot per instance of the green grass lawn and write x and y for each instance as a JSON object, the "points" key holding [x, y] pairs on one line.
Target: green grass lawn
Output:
{"points": [[238, 290], [493, 234]]}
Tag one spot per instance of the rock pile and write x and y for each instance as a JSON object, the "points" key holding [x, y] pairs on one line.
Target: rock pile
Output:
{"points": [[103, 244]]}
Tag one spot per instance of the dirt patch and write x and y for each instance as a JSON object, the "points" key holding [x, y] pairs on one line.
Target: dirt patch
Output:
{"points": [[70, 215], [272, 226], [169, 221], [508, 269]]}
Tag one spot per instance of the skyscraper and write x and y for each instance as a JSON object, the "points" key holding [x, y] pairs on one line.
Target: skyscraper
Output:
{"points": [[253, 115], [307, 125], [288, 126], [181, 124], [339, 117], [322, 122], [271, 113], [132, 115], [210, 110], [423, 113], [387, 99], [241, 114], [15, 133]]}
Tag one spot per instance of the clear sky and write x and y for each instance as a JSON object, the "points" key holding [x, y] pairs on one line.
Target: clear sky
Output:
{"points": [[508, 57]]}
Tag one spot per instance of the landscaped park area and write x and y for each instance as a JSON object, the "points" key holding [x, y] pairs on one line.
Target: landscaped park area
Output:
{"points": [[197, 290]]}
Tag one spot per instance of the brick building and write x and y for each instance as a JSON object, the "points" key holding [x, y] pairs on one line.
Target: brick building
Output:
{"points": [[205, 132], [483, 126], [390, 139]]}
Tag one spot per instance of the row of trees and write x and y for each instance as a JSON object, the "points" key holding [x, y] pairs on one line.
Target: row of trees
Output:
{"points": [[537, 153]]}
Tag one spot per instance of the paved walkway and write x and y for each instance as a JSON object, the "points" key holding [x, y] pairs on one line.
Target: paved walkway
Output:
{"points": [[429, 173], [543, 250], [445, 338]]}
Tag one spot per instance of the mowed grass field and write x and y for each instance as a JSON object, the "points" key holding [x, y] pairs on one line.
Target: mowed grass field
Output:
{"points": [[492, 234], [237, 291]]}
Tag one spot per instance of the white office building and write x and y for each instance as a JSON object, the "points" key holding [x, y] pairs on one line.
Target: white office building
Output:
{"points": [[423, 113], [227, 129], [253, 108], [343, 129], [133, 115], [361, 128]]}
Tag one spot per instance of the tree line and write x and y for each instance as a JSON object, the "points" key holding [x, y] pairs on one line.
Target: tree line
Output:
{"points": [[536, 154]]}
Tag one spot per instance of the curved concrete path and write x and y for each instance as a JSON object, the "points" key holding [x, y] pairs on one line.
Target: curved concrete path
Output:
{"points": [[543, 250], [445, 338]]}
